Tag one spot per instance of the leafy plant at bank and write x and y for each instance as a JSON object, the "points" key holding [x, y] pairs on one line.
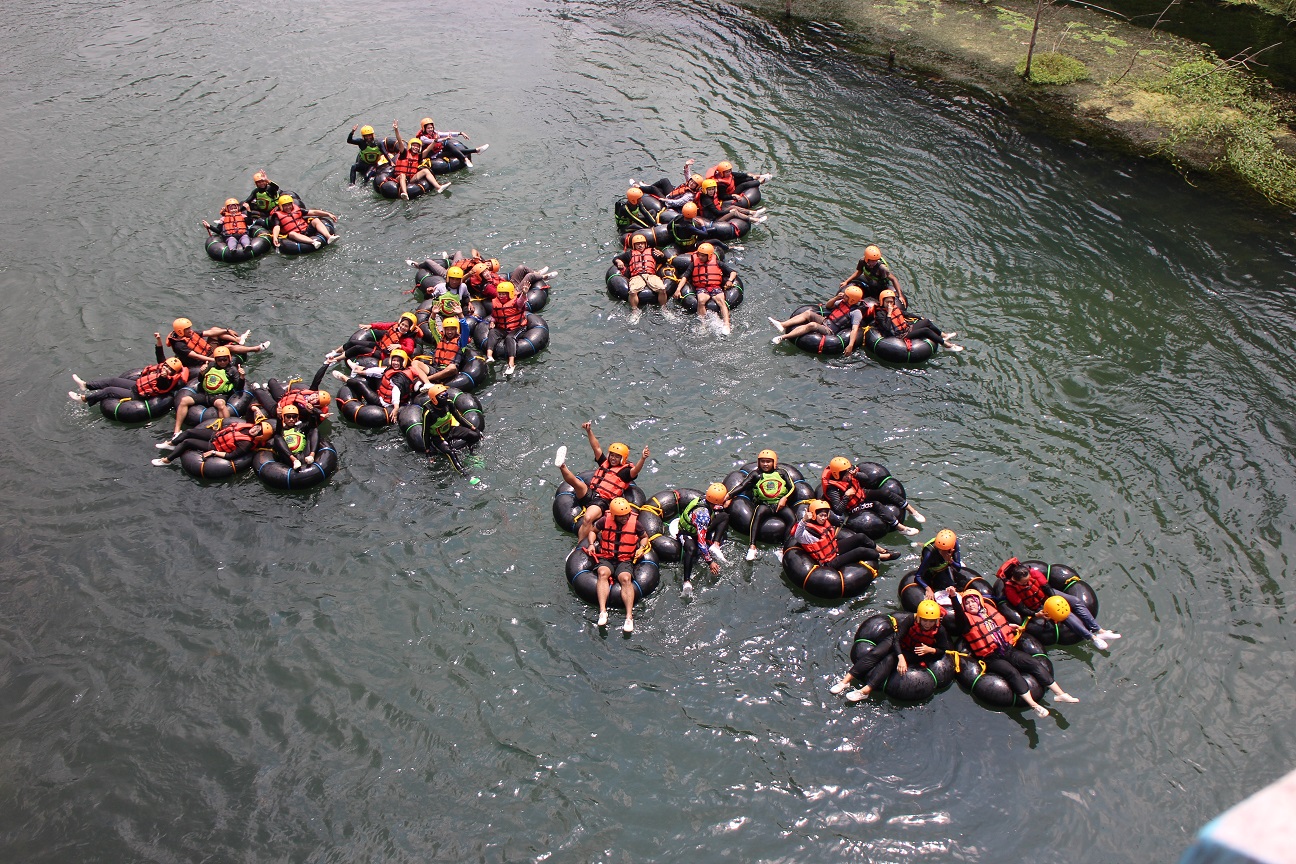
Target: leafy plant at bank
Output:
{"points": [[1051, 67]]}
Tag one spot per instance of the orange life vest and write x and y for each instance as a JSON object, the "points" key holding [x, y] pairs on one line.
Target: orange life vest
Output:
{"points": [[192, 340], [158, 380], [823, 549], [292, 220], [916, 636], [233, 224], [447, 351], [619, 542], [848, 483], [705, 275], [305, 400], [642, 262], [407, 163], [607, 482], [387, 340], [507, 315], [432, 145], [898, 320], [388, 383], [841, 310], [989, 633], [229, 438]]}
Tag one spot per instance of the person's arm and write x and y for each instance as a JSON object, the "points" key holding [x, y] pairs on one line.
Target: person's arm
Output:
{"points": [[748, 482], [791, 484], [961, 622], [859, 271], [400, 142], [351, 139], [620, 262], [158, 351], [638, 466], [730, 274], [588, 426], [857, 320], [900, 295], [923, 564]]}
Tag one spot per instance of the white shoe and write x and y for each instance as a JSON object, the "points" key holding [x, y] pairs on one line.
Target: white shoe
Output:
{"points": [[444, 186], [411, 262], [686, 590], [482, 148], [164, 445], [777, 325], [628, 626], [317, 243], [635, 315], [725, 330], [753, 553], [242, 340], [161, 463], [1099, 643], [354, 367], [467, 164], [81, 384], [856, 695], [778, 553], [777, 340], [75, 396], [560, 458], [718, 555], [907, 531], [602, 619], [950, 346], [1107, 634], [949, 335], [839, 688], [264, 345], [509, 370], [339, 375]]}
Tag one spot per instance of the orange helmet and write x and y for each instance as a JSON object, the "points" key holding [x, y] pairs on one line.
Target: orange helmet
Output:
{"points": [[633, 194], [767, 454], [838, 464], [620, 507], [180, 325], [638, 240], [619, 449], [260, 177], [426, 121], [872, 253], [854, 293], [325, 399], [689, 210], [435, 390], [494, 264], [716, 493], [886, 294], [706, 249], [221, 351], [696, 179], [726, 165], [264, 431], [289, 410], [173, 363], [945, 540], [231, 202], [815, 506]]}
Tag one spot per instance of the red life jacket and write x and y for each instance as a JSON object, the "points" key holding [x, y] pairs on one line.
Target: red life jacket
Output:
{"points": [[388, 340], [292, 220], [305, 400], [447, 350], [158, 380], [193, 340], [607, 482], [706, 275], [1033, 595], [841, 310], [388, 383], [507, 315], [233, 224], [432, 145], [682, 189], [823, 549], [916, 636], [619, 542], [642, 262], [724, 185], [898, 320], [853, 491], [989, 633], [407, 163], [229, 438]]}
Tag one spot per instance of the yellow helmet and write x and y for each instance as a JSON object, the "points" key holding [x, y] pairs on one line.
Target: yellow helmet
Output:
{"points": [[414, 142], [930, 610], [838, 464], [716, 493], [284, 199], [872, 253], [410, 317], [1057, 609], [454, 273], [231, 202], [619, 449], [449, 323], [767, 454], [706, 249], [366, 130], [709, 183], [399, 352], [854, 293], [620, 507], [505, 289], [945, 540]]}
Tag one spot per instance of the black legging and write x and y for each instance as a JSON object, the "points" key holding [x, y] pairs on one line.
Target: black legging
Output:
{"points": [[110, 388], [361, 388], [859, 549], [508, 338], [1007, 664], [452, 149], [456, 438], [689, 544], [877, 663], [198, 439], [760, 513], [923, 328]]}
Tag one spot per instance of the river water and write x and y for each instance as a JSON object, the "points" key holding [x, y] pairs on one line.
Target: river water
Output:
{"points": [[392, 668]]}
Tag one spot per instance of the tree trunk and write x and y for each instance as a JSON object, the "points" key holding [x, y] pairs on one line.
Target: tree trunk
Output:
{"points": [[1039, 10]]}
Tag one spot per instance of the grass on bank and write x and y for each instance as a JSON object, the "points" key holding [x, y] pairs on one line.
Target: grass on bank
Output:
{"points": [[1050, 67]]}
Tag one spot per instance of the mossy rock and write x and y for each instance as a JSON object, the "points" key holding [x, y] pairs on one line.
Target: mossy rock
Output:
{"points": [[1050, 67]]}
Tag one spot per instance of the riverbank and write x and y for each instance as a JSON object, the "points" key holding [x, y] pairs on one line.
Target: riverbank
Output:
{"points": [[1140, 90]]}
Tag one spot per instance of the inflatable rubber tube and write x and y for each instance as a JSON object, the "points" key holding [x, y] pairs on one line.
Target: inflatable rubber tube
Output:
{"points": [[892, 349], [358, 411], [213, 467], [658, 236], [277, 475], [238, 404], [530, 342], [581, 576], [823, 581], [619, 287], [733, 296], [217, 250], [292, 247], [911, 593], [775, 528], [410, 417], [921, 682], [567, 513], [1062, 579], [825, 344], [665, 506], [134, 410], [994, 690]]}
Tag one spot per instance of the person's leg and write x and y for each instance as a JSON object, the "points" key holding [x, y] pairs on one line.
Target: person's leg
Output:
{"points": [[94, 397], [658, 287], [231, 242], [588, 520], [182, 411], [759, 513], [634, 285], [510, 348], [724, 309], [603, 589], [627, 594], [811, 326], [688, 561], [322, 229], [719, 529]]}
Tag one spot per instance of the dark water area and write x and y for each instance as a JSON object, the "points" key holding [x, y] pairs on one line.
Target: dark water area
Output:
{"points": [[1229, 30], [392, 667]]}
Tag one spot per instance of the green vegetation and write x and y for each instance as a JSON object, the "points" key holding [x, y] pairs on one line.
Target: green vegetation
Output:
{"points": [[1281, 8], [1050, 67], [1218, 105]]}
